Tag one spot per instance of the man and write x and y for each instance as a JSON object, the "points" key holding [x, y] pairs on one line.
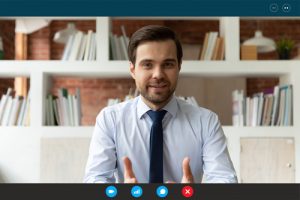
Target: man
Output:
{"points": [[156, 137]]}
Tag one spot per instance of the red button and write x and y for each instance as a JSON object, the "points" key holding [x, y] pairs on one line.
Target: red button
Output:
{"points": [[187, 191]]}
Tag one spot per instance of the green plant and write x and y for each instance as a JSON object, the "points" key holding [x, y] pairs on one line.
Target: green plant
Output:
{"points": [[284, 47]]}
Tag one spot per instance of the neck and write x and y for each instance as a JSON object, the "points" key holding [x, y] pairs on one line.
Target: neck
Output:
{"points": [[156, 106]]}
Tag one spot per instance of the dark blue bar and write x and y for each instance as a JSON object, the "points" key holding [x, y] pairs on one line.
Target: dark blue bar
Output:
{"points": [[201, 191], [150, 8]]}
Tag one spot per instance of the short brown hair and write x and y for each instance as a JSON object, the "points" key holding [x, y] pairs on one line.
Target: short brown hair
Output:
{"points": [[152, 33]]}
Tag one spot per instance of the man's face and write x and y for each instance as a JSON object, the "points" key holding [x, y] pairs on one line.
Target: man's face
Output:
{"points": [[156, 71]]}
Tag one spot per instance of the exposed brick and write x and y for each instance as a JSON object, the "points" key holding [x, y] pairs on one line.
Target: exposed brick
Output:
{"points": [[93, 95]]}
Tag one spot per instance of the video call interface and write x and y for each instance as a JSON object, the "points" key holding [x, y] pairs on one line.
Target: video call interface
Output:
{"points": [[150, 100]]}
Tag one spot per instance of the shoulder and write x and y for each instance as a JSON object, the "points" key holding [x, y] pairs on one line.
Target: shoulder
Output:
{"points": [[116, 110], [193, 110]]}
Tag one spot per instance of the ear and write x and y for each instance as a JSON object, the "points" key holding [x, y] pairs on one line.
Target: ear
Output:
{"points": [[179, 65], [132, 70]]}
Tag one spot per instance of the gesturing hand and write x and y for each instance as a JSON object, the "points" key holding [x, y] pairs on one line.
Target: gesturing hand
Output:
{"points": [[129, 176], [187, 173]]}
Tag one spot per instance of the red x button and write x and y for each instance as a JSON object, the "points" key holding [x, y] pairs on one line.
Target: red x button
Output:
{"points": [[187, 191]]}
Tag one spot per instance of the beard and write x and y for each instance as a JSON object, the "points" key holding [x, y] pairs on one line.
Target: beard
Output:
{"points": [[157, 97]]}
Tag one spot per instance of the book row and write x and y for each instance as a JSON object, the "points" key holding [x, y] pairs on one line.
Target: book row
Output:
{"points": [[80, 46], [273, 107], [14, 111], [64, 109]]}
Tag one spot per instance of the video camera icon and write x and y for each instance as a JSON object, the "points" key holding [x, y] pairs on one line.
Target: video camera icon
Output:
{"points": [[111, 191]]}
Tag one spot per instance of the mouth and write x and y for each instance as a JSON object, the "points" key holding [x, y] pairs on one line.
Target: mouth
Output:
{"points": [[158, 87]]}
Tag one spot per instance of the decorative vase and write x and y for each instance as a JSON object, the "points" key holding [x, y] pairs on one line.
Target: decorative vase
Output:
{"points": [[284, 54]]}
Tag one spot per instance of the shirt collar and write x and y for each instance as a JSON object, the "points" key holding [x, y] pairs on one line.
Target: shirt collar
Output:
{"points": [[171, 107]]}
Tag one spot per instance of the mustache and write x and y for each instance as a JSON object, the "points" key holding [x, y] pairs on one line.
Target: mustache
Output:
{"points": [[158, 82]]}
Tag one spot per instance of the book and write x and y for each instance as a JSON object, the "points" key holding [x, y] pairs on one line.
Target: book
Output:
{"points": [[275, 105], [15, 110], [210, 45], [221, 52], [3, 103], [7, 111], [76, 46], [88, 45], [216, 49], [204, 49], [68, 47]]}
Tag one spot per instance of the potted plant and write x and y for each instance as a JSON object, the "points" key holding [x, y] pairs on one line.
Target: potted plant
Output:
{"points": [[284, 47]]}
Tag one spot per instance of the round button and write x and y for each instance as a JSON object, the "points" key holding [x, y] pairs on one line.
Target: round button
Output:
{"points": [[111, 191], [273, 7], [187, 191], [136, 191], [286, 7], [162, 191]]}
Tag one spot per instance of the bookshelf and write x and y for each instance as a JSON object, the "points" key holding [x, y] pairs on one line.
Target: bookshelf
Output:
{"points": [[21, 147]]}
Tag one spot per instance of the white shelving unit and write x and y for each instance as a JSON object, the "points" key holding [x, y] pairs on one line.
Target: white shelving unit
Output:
{"points": [[20, 147]]}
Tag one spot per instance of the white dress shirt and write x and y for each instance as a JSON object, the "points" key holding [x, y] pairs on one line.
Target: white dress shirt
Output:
{"points": [[188, 131]]}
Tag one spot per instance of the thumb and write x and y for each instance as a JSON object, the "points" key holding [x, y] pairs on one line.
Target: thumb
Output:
{"points": [[128, 172], [187, 172]]}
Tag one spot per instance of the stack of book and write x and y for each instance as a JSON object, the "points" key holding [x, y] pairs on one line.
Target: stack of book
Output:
{"points": [[64, 110], [80, 46], [14, 111], [118, 45], [213, 47], [270, 108]]}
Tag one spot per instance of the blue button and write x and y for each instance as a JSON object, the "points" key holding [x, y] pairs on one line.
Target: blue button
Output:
{"points": [[111, 191], [162, 191], [136, 191]]}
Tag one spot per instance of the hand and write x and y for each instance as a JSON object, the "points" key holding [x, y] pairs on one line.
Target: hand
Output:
{"points": [[129, 176], [187, 173]]}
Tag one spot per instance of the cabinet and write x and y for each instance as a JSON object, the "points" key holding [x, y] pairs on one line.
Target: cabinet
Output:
{"points": [[23, 149]]}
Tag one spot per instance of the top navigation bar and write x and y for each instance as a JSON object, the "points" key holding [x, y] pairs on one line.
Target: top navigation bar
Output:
{"points": [[150, 7]]}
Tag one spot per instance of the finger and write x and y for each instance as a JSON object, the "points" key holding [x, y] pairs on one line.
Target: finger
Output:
{"points": [[187, 172], [186, 167], [128, 172], [170, 182], [130, 180]]}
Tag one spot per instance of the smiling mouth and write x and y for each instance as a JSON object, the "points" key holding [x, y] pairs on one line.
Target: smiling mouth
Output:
{"points": [[157, 86]]}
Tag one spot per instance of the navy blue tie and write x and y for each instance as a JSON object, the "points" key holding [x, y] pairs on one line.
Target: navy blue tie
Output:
{"points": [[156, 146]]}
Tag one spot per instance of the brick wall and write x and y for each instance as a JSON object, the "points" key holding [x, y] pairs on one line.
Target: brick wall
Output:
{"points": [[7, 33], [255, 85], [94, 93], [4, 84], [39, 45]]}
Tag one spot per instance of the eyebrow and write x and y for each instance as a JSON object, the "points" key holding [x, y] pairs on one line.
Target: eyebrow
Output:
{"points": [[166, 60], [170, 60]]}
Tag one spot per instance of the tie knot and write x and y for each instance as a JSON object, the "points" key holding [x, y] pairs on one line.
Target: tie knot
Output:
{"points": [[156, 116]]}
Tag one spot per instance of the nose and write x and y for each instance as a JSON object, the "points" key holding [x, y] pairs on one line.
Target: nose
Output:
{"points": [[158, 72]]}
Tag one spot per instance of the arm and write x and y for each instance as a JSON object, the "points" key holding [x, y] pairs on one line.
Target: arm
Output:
{"points": [[218, 167], [101, 163]]}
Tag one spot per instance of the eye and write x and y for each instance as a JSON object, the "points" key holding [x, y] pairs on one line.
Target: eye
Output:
{"points": [[169, 64], [147, 65]]}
